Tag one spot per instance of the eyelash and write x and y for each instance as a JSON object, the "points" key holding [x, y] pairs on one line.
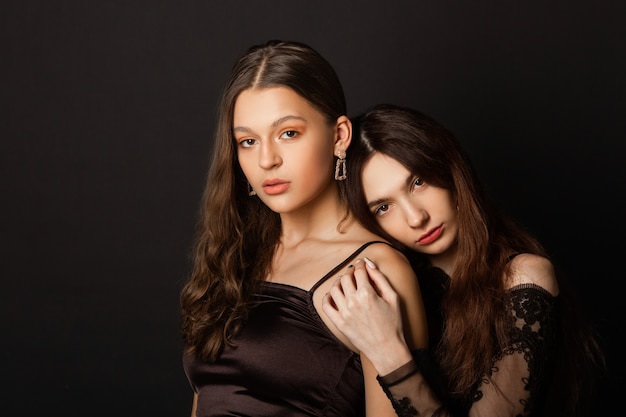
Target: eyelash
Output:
{"points": [[291, 134], [417, 183], [295, 133], [421, 182], [377, 211], [246, 143]]}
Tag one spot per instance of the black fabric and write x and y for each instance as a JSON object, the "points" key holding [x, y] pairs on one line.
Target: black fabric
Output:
{"points": [[525, 363], [287, 362], [433, 285]]}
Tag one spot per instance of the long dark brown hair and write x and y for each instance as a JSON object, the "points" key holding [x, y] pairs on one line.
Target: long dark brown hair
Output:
{"points": [[476, 321], [237, 235]]}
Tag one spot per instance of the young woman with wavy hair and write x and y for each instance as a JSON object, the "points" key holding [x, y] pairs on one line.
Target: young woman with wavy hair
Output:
{"points": [[274, 230], [506, 335]]}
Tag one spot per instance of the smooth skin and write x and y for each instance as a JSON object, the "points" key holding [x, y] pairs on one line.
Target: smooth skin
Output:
{"points": [[285, 149], [423, 217], [363, 304], [353, 298]]}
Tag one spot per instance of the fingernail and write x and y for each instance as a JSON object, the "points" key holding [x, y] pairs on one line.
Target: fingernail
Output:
{"points": [[370, 263]]}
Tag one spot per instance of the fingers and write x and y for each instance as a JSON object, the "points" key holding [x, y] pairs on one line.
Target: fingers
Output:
{"points": [[362, 277], [379, 281], [361, 274], [330, 308], [335, 298]]}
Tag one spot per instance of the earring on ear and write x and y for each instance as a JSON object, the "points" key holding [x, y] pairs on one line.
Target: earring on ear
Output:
{"points": [[340, 167], [251, 191]]}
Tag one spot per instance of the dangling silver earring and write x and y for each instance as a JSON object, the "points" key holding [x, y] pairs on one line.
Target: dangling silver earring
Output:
{"points": [[251, 190], [340, 167]]}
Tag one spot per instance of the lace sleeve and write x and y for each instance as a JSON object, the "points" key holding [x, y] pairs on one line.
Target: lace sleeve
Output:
{"points": [[409, 388], [513, 386]]}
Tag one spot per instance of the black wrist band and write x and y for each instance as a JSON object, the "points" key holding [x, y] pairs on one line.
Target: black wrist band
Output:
{"points": [[400, 374]]}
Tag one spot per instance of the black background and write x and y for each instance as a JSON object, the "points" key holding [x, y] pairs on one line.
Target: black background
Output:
{"points": [[107, 114]]}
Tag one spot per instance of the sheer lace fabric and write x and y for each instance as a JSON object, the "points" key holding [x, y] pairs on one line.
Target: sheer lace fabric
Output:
{"points": [[512, 387]]}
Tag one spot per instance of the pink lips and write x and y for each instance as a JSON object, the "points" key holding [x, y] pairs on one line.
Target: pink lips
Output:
{"points": [[275, 186], [430, 236]]}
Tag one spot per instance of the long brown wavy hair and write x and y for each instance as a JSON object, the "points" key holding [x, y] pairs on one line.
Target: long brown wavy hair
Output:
{"points": [[475, 318], [237, 235]]}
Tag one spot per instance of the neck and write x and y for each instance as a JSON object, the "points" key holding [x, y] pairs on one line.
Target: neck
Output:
{"points": [[445, 260], [318, 219]]}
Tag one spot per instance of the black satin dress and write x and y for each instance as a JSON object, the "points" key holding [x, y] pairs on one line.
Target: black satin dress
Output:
{"points": [[287, 363]]}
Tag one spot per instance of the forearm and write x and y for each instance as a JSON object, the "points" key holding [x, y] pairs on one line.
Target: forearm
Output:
{"points": [[410, 394], [389, 356]]}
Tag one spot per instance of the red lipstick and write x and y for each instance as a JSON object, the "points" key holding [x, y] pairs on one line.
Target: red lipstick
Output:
{"points": [[430, 236]]}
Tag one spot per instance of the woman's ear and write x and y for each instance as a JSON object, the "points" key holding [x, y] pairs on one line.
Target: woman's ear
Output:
{"points": [[343, 135]]}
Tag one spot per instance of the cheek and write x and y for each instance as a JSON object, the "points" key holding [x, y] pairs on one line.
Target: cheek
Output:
{"points": [[393, 225], [245, 163], [312, 172], [318, 163], [451, 213]]}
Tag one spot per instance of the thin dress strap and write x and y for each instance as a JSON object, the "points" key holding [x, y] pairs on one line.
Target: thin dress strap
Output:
{"points": [[345, 262]]}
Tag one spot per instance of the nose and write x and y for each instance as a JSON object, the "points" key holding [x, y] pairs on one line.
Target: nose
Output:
{"points": [[415, 216], [269, 156]]}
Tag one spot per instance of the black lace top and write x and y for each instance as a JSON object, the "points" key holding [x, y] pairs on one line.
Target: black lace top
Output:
{"points": [[515, 384]]}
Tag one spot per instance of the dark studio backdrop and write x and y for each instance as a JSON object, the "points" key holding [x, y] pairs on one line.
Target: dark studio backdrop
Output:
{"points": [[107, 114]]}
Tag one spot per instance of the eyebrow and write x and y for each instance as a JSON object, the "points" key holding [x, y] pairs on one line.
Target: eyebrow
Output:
{"points": [[372, 204], [276, 122]]}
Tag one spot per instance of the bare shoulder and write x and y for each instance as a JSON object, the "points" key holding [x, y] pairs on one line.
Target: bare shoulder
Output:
{"points": [[527, 268], [392, 263], [384, 254]]}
